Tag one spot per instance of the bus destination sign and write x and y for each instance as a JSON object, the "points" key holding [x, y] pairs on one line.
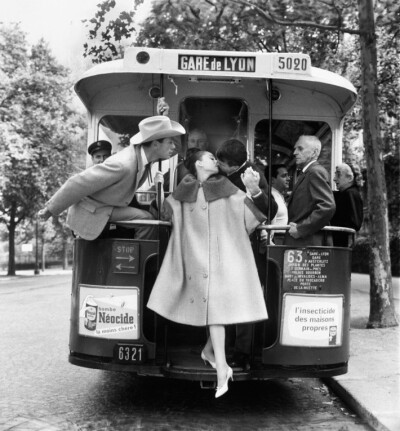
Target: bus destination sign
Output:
{"points": [[305, 270], [217, 63]]}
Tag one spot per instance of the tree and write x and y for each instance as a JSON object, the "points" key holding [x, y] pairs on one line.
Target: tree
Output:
{"points": [[322, 28], [34, 139], [382, 311]]}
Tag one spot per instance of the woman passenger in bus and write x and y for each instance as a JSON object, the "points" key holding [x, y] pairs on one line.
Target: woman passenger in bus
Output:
{"points": [[208, 276]]}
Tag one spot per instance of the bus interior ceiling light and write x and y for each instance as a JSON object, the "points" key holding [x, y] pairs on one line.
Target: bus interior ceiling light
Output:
{"points": [[142, 57], [216, 80]]}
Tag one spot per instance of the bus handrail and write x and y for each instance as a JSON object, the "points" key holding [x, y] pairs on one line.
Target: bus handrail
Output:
{"points": [[134, 223], [272, 227]]}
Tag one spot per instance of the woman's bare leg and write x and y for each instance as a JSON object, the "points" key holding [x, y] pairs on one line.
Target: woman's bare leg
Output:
{"points": [[208, 349], [217, 337]]}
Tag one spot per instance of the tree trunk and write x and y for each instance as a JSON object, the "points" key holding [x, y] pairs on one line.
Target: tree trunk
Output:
{"points": [[11, 242], [382, 312]]}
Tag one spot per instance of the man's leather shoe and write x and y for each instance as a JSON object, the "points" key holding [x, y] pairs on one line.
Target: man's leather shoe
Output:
{"points": [[240, 360]]}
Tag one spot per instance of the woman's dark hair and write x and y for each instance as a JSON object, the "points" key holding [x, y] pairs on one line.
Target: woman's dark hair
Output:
{"points": [[192, 156]]}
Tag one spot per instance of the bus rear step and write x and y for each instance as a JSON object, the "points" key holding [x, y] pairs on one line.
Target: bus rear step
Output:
{"points": [[204, 384]]}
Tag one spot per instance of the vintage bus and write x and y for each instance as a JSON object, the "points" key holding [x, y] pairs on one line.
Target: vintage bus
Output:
{"points": [[266, 100]]}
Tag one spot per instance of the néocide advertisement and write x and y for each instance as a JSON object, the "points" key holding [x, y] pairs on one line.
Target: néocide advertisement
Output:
{"points": [[108, 312]]}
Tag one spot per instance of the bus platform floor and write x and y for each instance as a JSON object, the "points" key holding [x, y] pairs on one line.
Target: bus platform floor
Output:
{"points": [[371, 386]]}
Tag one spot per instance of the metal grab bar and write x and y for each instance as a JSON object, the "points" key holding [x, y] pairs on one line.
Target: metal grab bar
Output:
{"points": [[272, 227], [134, 223]]}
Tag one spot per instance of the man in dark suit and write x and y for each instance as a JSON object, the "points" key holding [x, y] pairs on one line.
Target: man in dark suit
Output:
{"points": [[103, 192], [311, 204]]}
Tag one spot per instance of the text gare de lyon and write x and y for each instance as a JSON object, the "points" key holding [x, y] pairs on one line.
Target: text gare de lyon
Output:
{"points": [[217, 63]]}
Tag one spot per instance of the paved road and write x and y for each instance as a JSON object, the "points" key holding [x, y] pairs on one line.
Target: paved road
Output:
{"points": [[40, 390]]}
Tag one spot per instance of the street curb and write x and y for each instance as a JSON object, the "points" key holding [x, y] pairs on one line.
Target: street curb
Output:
{"points": [[354, 404]]}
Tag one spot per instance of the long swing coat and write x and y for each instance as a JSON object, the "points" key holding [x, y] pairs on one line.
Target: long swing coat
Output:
{"points": [[208, 275]]}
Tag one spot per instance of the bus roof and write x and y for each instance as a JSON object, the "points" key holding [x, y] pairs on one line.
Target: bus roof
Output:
{"points": [[229, 66]]}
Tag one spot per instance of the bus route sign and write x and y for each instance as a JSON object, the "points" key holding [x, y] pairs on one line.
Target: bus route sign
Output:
{"points": [[305, 270], [125, 257], [217, 63]]}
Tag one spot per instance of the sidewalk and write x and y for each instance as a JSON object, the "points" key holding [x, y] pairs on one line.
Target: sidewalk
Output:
{"points": [[30, 273], [372, 385]]}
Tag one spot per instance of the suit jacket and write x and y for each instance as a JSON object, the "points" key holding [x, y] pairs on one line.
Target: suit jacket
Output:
{"points": [[91, 195], [311, 205], [349, 213], [262, 202], [349, 208]]}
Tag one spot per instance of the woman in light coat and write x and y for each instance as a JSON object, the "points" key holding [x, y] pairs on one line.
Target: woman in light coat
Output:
{"points": [[208, 276]]}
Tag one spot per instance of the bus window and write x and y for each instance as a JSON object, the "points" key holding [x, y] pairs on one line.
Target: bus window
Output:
{"points": [[118, 129], [284, 136], [220, 119]]}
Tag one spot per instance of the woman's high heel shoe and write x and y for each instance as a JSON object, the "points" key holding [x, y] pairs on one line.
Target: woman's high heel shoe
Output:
{"points": [[205, 359], [224, 388]]}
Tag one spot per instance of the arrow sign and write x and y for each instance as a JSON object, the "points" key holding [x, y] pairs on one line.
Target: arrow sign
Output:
{"points": [[120, 266], [125, 257], [130, 258]]}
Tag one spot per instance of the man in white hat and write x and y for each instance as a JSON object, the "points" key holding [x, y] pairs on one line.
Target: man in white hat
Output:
{"points": [[102, 193]]}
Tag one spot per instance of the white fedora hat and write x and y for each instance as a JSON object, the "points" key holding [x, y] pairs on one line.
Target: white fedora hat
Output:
{"points": [[153, 128]]}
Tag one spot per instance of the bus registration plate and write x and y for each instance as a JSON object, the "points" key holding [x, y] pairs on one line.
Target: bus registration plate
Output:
{"points": [[130, 353]]}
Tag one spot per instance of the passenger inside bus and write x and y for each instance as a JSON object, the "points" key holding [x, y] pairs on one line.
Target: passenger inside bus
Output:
{"points": [[196, 138], [99, 151], [279, 187], [311, 204], [349, 204], [193, 289]]}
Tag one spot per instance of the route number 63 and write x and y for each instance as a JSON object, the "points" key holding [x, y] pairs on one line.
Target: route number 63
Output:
{"points": [[295, 256]]}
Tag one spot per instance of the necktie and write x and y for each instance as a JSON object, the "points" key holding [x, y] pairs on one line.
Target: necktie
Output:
{"points": [[300, 174], [146, 174]]}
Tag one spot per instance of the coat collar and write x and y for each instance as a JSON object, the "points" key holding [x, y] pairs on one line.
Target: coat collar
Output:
{"points": [[216, 187]]}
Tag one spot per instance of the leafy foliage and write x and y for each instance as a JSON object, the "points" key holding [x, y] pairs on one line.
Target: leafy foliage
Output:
{"points": [[104, 45], [37, 127]]}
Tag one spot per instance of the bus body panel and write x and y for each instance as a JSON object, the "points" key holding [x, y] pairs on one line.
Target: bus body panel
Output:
{"points": [[334, 285]]}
